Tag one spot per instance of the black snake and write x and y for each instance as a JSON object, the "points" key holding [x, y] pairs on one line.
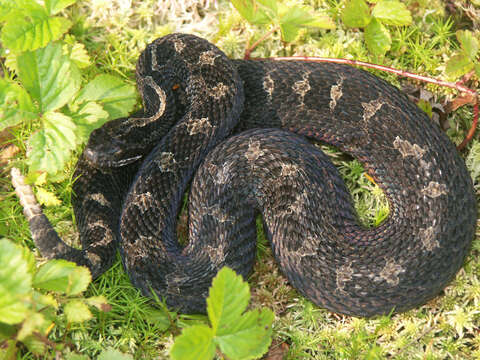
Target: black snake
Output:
{"points": [[134, 171]]}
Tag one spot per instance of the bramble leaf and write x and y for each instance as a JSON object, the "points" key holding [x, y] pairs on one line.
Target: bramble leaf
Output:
{"points": [[49, 76], [228, 298], [195, 342], [88, 117], [258, 12], [113, 354], [356, 14], [425, 106], [239, 335], [32, 323], [459, 65], [15, 104], [55, 6], [15, 281], [100, 302], [78, 54], [62, 276], [377, 38], [47, 198], [294, 18], [391, 12], [249, 337], [116, 97], [50, 148], [77, 311], [469, 43], [22, 34]]}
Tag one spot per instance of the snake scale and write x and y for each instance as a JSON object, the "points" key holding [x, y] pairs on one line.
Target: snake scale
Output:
{"points": [[239, 128]]}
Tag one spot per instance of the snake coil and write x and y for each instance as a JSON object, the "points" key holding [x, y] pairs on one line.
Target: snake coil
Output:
{"points": [[134, 171]]}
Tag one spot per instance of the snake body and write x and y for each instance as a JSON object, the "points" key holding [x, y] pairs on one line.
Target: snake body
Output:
{"points": [[240, 128]]}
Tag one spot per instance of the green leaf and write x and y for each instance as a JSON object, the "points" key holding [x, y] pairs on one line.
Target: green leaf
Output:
{"points": [[73, 356], [50, 148], [249, 337], [21, 34], [425, 106], [7, 10], [112, 354], [258, 12], [88, 117], [49, 76], [62, 276], [159, 319], [9, 350], [195, 342], [458, 65], [469, 43], [15, 104], [228, 298], [15, 282], [34, 322], [377, 38], [77, 311], [55, 6], [392, 13], [295, 18], [47, 198], [7, 331], [43, 300], [34, 344], [356, 14], [100, 302], [477, 69], [117, 97], [78, 54]]}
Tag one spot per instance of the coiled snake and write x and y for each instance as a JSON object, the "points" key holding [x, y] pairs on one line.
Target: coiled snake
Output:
{"points": [[134, 172]]}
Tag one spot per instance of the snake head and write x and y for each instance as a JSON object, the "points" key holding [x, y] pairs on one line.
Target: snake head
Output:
{"points": [[112, 146]]}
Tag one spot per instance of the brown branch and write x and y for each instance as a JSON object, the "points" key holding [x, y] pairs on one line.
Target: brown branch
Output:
{"points": [[471, 94], [249, 49]]}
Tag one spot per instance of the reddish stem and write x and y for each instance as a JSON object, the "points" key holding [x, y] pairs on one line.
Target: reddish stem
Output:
{"points": [[458, 85], [249, 50]]}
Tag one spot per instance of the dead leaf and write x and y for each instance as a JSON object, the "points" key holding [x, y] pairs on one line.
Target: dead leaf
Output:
{"points": [[278, 351], [8, 153]]}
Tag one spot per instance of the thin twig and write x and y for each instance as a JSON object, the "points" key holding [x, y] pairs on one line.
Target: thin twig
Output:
{"points": [[472, 94], [249, 50]]}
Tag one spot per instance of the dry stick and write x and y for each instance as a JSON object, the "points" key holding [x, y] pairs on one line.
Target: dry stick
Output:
{"points": [[249, 49], [472, 94]]}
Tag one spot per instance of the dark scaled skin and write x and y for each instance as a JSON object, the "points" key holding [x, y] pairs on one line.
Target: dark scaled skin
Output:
{"points": [[134, 172]]}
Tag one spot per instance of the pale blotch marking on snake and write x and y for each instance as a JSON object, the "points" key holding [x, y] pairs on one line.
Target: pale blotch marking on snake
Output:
{"points": [[301, 87], [407, 149], [179, 45], [219, 91], [336, 93], [221, 174], [166, 162], [254, 151], [390, 272], [344, 274], [434, 189], [98, 198], [207, 58], [427, 237], [268, 85], [289, 169], [199, 126], [371, 108]]}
